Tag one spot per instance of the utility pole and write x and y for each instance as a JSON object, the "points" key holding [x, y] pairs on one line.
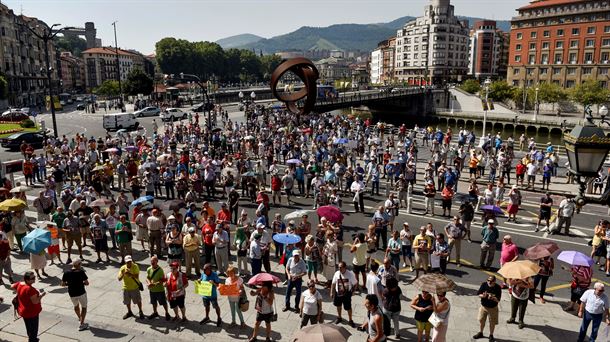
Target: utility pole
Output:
{"points": [[118, 65], [525, 91]]}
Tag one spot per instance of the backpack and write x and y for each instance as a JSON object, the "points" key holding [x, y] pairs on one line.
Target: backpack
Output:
{"points": [[387, 327]]}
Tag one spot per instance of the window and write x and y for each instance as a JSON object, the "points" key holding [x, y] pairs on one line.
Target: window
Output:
{"points": [[544, 58], [546, 33], [603, 71], [590, 43], [572, 58], [519, 36], [530, 71], [545, 45], [533, 34], [589, 57], [558, 59], [532, 46], [531, 59], [606, 42], [575, 31], [570, 84], [516, 71], [606, 29], [559, 44], [560, 32], [544, 71], [518, 47], [556, 71], [517, 58], [571, 71], [586, 71], [574, 44], [591, 30], [605, 57]]}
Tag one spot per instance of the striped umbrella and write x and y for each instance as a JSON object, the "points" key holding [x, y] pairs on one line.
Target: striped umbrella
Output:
{"points": [[434, 283]]}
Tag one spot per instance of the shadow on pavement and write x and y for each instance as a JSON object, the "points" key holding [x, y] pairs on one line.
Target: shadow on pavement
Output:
{"points": [[555, 333], [106, 333]]}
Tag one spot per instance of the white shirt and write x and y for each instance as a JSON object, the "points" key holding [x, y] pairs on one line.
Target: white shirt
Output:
{"points": [[310, 302], [594, 304], [373, 285], [567, 208], [344, 281], [531, 169]]}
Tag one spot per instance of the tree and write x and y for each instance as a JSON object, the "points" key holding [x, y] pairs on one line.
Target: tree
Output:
{"points": [[269, 63], [138, 82], [500, 91], [589, 93], [3, 87], [250, 66], [547, 93], [108, 88], [73, 44], [471, 86], [175, 56]]}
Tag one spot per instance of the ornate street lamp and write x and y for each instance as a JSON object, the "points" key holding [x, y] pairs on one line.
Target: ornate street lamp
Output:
{"points": [[587, 148]]}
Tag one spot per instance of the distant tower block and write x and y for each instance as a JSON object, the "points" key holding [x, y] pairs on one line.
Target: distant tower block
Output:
{"points": [[90, 33]]}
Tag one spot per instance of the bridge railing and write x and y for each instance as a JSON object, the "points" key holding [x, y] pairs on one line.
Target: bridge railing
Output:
{"points": [[354, 98]]}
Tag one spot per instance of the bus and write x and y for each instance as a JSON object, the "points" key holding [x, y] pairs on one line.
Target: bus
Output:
{"points": [[327, 92]]}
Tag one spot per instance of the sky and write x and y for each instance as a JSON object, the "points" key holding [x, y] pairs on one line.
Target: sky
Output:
{"points": [[141, 23]]}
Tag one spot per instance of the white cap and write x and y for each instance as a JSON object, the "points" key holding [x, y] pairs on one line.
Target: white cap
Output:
{"points": [[171, 217], [260, 225], [296, 252], [128, 258]]}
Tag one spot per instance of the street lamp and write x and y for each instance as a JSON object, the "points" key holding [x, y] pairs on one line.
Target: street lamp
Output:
{"points": [[603, 111], [487, 83], [537, 105], [587, 148], [48, 35]]}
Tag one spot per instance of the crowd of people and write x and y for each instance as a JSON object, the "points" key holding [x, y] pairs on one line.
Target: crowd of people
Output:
{"points": [[186, 195]]}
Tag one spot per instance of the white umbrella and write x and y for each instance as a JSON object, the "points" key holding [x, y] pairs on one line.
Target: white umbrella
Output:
{"points": [[163, 158], [21, 188], [297, 214], [249, 137]]}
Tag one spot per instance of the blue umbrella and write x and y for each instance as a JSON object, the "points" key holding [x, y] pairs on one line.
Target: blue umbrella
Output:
{"points": [[36, 241], [143, 200], [341, 141], [248, 174], [294, 161], [494, 209], [286, 238]]}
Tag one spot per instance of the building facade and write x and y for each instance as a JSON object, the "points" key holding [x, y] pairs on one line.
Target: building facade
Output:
{"points": [[22, 60], [376, 66], [382, 62], [333, 69], [101, 65], [488, 50], [432, 49], [565, 42], [73, 79]]}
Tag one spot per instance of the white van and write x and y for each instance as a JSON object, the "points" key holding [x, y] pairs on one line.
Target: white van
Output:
{"points": [[114, 122]]}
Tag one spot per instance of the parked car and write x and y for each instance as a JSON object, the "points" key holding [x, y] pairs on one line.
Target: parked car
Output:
{"points": [[171, 114], [200, 107], [147, 111], [13, 141], [114, 122], [14, 115], [80, 106]]}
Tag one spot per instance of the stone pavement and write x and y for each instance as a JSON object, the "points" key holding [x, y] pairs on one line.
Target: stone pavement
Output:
{"points": [[58, 322]]}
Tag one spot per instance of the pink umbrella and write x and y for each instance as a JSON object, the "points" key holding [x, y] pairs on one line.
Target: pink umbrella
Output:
{"points": [[332, 214], [260, 278]]}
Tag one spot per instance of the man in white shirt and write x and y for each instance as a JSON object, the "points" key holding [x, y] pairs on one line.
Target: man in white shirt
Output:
{"points": [[342, 287], [594, 305], [532, 168], [564, 215], [220, 239], [357, 188], [373, 283]]}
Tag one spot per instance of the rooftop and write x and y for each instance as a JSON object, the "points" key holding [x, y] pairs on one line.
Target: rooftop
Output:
{"points": [[546, 3], [108, 50]]}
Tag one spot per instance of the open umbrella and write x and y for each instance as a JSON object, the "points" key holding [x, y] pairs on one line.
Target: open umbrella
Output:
{"points": [[249, 137], [12, 204], [286, 238], [294, 161], [217, 129], [173, 204], [519, 269], [102, 202], [332, 213], [131, 148], [341, 141], [143, 200], [282, 129], [260, 278], [163, 158], [325, 332], [44, 223], [494, 209], [541, 250], [297, 214], [36, 241], [248, 174], [573, 258], [99, 168], [112, 150], [434, 283], [122, 130], [20, 188]]}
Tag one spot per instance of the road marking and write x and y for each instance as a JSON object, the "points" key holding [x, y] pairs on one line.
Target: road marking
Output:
{"points": [[568, 285]]}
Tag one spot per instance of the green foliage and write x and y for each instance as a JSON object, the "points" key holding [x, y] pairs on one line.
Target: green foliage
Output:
{"points": [[268, 65], [471, 86], [548, 93], [75, 45], [27, 123], [500, 91], [138, 82], [108, 88], [589, 93]]}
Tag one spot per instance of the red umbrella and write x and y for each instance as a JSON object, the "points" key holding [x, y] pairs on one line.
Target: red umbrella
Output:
{"points": [[332, 214], [541, 250], [260, 278], [307, 130]]}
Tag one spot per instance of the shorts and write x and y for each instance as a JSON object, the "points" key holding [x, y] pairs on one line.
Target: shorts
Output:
{"points": [[345, 300], [545, 215], [261, 317], [513, 208], [421, 261], [521, 176], [73, 237], [491, 312], [79, 300], [359, 268], [207, 301], [131, 296], [53, 249], [312, 266], [531, 178], [446, 204], [158, 298], [423, 325], [177, 302], [85, 230], [406, 251]]}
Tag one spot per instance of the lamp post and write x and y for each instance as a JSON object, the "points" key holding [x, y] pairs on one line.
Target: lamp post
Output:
{"points": [[208, 105], [587, 148], [48, 35], [487, 83], [537, 105], [118, 66]]}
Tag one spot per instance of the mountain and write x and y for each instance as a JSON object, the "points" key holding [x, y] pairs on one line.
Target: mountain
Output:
{"points": [[238, 40], [347, 37]]}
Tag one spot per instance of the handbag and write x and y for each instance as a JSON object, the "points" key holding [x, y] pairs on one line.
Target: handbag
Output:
{"points": [[435, 320], [244, 303], [140, 286]]}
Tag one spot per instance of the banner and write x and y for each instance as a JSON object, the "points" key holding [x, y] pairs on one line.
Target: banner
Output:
{"points": [[228, 290], [203, 288]]}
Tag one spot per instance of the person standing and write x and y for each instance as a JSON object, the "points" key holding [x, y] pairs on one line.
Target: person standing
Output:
{"points": [[567, 207], [488, 245], [5, 257], [455, 232], [255, 253], [547, 264], [264, 310], [509, 251], [467, 215], [391, 304], [423, 304], [129, 274], [490, 294], [233, 279], [441, 308], [514, 201], [76, 279], [191, 244], [357, 188], [123, 233], [395, 249], [342, 288], [374, 322], [310, 305], [295, 270], [176, 284], [594, 304], [154, 223], [221, 241], [422, 244], [520, 291], [546, 203], [329, 257], [155, 281], [29, 307], [211, 300]]}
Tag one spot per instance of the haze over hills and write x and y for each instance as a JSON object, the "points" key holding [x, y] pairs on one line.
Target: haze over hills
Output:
{"points": [[349, 37]]}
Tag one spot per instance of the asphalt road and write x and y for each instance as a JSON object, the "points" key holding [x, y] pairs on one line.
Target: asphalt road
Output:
{"points": [[523, 234]]}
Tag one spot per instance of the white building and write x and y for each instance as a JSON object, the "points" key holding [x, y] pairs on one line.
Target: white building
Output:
{"points": [[101, 64], [376, 66], [432, 49]]}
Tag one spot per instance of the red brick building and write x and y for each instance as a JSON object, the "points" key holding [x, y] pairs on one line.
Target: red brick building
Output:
{"points": [[488, 50], [562, 41]]}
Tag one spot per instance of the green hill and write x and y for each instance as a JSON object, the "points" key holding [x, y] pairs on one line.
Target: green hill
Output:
{"points": [[238, 40]]}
